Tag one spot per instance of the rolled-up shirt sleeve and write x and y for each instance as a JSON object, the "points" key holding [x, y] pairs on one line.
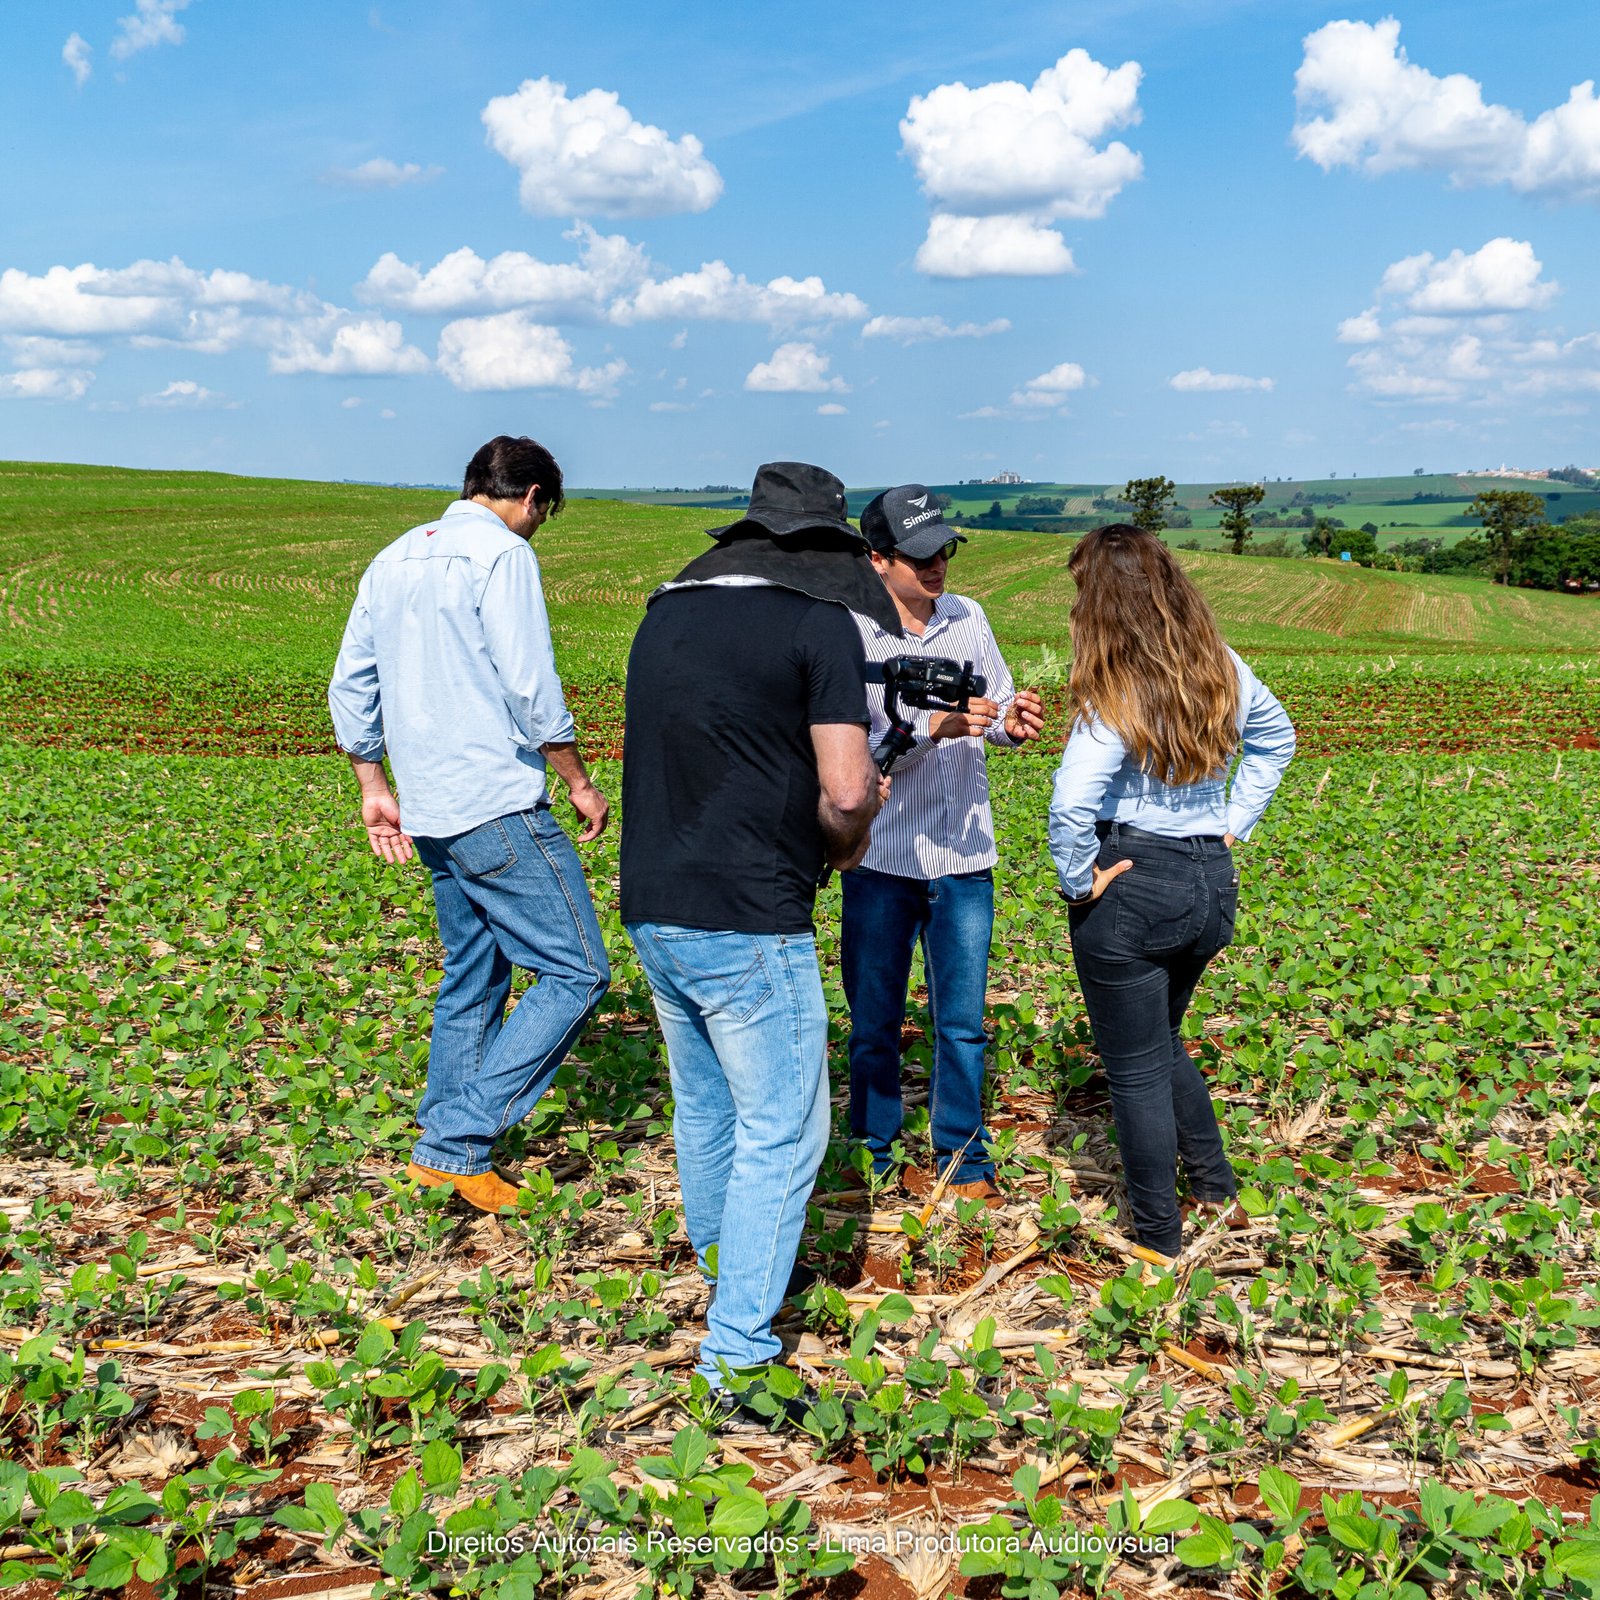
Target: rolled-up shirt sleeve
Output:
{"points": [[1091, 760], [516, 629], [1266, 743], [354, 701]]}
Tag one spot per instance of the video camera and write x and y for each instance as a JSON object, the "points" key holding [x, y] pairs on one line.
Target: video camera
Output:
{"points": [[930, 683]]}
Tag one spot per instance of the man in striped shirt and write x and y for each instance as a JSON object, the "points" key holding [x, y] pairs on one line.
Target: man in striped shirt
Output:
{"points": [[928, 874]]}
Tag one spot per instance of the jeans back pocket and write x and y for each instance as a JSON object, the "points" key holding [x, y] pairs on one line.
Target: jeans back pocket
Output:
{"points": [[721, 973], [1227, 911], [483, 852], [1156, 911]]}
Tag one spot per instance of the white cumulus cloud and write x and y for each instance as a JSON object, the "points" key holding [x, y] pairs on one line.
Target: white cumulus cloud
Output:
{"points": [[147, 300], [382, 173], [1001, 161], [159, 304], [75, 53], [1503, 276], [1008, 147], [1363, 103], [1050, 388], [992, 247], [513, 351], [797, 368], [152, 22], [1363, 328], [578, 290], [588, 155], [918, 330], [1463, 334], [1204, 380], [368, 348], [32, 350], [717, 293], [184, 394], [832, 408], [44, 383]]}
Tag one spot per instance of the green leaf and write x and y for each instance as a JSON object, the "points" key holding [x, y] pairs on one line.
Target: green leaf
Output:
{"points": [[1168, 1516], [740, 1515], [1211, 1546], [1280, 1493], [1578, 1558], [1477, 1519], [373, 1345], [895, 1309], [690, 1447], [110, 1567], [406, 1496], [441, 1465]]}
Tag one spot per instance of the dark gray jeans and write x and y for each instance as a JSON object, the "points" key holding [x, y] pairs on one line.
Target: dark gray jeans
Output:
{"points": [[1140, 950]]}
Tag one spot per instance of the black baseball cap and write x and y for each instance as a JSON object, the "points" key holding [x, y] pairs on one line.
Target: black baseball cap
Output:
{"points": [[908, 522]]}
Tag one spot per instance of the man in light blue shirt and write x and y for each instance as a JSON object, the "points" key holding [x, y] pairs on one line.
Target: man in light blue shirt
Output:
{"points": [[447, 669]]}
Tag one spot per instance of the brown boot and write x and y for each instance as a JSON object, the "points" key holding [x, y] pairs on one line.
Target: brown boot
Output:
{"points": [[978, 1189], [488, 1191]]}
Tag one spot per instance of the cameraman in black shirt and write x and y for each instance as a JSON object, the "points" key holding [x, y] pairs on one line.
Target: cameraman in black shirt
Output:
{"points": [[746, 771]]}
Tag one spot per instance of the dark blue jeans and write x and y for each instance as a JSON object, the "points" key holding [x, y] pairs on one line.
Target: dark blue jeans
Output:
{"points": [[1140, 949], [884, 917]]}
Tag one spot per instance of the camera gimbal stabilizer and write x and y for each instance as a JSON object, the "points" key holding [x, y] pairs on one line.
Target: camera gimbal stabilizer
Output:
{"points": [[930, 683]]}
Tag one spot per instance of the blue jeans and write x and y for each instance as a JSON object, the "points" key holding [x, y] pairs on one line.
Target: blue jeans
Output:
{"points": [[509, 892], [884, 917], [1140, 950], [746, 1032]]}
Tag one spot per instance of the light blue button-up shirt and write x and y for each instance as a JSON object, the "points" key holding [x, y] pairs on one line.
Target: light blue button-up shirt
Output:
{"points": [[447, 667], [1098, 779]]}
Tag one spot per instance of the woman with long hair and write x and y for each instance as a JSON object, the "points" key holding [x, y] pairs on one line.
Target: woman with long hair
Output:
{"points": [[1142, 825]]}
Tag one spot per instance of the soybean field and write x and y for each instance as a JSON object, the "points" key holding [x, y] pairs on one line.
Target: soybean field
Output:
{"points": [[240, 1355]]}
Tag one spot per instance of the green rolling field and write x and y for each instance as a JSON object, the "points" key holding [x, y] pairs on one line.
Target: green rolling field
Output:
{"points": [[109, 569]]}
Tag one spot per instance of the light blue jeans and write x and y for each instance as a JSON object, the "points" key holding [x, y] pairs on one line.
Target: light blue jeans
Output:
{"points": [[746, 1031], [510, 892]]}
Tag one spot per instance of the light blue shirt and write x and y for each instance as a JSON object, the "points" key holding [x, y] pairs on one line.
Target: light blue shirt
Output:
{"points": [[447, 668], [1098, 780]]}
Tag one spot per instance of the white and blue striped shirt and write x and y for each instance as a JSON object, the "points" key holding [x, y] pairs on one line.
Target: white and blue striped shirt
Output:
{"points": [[937, 821]]}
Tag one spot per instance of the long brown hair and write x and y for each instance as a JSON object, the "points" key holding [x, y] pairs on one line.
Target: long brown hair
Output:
{"points": [[1147, 659]]}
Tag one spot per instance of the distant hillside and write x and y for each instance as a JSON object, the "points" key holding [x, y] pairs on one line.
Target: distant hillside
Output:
{"points": [[1434, 504], [103, 568]]}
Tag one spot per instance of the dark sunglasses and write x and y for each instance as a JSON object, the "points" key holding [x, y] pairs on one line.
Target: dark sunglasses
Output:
{"points": [[945, 552]]}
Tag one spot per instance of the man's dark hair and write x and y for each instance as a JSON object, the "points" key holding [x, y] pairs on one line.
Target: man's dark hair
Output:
{"points": [[507, 468]]}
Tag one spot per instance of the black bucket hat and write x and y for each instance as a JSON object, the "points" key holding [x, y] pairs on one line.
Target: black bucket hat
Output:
{"points": [[907, 521], [790, 497]]}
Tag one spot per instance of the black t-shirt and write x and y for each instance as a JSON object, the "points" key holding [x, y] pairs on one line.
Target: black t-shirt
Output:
{"points": [[719, 776]]}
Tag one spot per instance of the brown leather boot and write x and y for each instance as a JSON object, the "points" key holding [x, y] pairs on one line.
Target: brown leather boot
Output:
{"points": [[488, 1191], [978, 1189]]}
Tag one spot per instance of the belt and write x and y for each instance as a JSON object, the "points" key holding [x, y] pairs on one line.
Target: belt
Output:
{"points": [[1126, 830]]}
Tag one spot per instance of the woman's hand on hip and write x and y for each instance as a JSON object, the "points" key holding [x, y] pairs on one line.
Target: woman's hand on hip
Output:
{"points": [[1102, 879]]}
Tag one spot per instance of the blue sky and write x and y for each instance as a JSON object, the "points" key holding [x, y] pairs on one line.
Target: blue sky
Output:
{"points": [[1214, 239]]}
